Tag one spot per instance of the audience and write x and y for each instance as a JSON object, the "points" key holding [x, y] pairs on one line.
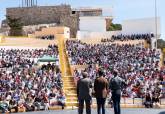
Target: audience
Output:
{"points": [[137, 65], [122, 37], [46, 37], [25, 85]]}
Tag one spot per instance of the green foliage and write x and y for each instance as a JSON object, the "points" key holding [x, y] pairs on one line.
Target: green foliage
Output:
{"points": [[115, 27], [161, 43], [15, 26]]}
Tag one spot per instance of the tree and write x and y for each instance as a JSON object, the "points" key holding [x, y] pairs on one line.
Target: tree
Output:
{"points": [[15, 26], [161, 43], [115, 27]]}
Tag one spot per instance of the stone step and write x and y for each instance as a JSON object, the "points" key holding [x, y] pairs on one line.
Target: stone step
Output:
{"points": [[68, 80], [71, 99], [69, 88], [67, 77], [70, 92], [72, 103], [69, 83]]}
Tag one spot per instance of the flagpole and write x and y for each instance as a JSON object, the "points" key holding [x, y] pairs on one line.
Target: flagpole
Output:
{"points": [[156, 26]]}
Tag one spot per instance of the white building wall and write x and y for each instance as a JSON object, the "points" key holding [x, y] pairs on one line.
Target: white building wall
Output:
{"points": [[93, 24], [138, 26], [96, 35]]}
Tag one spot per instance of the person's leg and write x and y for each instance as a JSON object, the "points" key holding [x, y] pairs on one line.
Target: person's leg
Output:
{"points": [[63, 105], [151, 104], [114, 103], [103, 105], [118, 103], [46, 106], [38, 105], [16, 109], [88, 106], [98, 105], [81, 106], [33, 108]]}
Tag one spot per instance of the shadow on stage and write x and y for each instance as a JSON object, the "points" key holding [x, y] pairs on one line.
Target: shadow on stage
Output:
{"points": [[162, 112]]}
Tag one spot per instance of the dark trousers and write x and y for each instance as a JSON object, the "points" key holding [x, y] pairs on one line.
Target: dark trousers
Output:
{"points": [[81, 106], [116, 102], [101, 105]]}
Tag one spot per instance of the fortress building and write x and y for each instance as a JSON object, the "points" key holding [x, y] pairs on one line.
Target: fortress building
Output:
{"points": [[61, 15]]}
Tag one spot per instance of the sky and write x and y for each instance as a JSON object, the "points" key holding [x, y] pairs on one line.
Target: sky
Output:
{"points": [[120, 9]]}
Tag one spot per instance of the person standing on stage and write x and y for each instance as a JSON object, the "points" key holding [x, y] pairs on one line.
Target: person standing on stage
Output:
{"points": [[115, 85], [101, 91], [84, 93]]}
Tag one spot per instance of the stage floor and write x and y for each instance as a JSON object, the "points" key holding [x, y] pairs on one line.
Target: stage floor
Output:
{"points": [[108, 111]]}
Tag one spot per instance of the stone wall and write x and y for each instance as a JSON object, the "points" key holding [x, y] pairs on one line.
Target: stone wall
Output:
{"points": [[62, 15], [88, 11]]}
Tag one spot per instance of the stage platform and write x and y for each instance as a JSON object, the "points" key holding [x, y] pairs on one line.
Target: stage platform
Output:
{"points": [[108, 111]]}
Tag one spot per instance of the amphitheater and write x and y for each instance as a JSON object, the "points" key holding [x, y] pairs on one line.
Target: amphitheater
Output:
{"points": [[67, 70], [129, 105], [39, 70]]}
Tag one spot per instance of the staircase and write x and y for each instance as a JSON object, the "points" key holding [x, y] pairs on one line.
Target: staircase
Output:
{"points": [[68, 80]]}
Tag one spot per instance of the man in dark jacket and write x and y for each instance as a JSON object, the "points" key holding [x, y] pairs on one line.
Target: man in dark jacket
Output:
{"points": [[84, 93], [116, 84], [101, 91]]}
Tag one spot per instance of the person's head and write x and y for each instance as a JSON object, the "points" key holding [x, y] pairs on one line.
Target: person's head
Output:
{"points": [[84, 74], [115, 73], [100, 72], [147, 94]]}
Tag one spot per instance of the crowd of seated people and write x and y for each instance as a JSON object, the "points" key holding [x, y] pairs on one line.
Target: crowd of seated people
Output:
{"points": [[24, 57], [138, 66], [46, 37], [122, 37], [24, 85]]}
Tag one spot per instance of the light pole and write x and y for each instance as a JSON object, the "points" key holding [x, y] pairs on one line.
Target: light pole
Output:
{"points": [[156, 26], [36, 2]]}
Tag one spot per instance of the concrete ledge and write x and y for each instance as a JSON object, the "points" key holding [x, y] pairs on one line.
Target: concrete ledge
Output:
{"points": [[132, 106], [55, 108], [12, 110], [22, 109]]}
